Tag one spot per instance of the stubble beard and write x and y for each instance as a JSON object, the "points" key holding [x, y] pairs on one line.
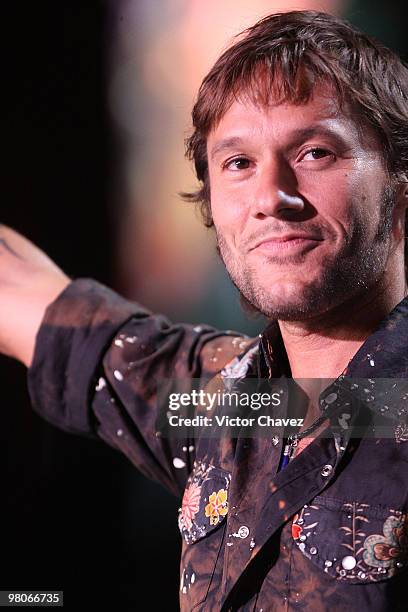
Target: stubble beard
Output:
{"points": [[350, 271]]}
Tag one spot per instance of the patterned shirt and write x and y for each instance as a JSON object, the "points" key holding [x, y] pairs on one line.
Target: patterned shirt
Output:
{"points": [[327, 532]]}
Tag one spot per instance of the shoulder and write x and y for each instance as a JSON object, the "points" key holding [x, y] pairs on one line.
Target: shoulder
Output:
{"points": [[226, 352]]}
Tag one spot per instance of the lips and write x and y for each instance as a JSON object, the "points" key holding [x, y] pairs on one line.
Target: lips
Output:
{"points": [[285, 242]]}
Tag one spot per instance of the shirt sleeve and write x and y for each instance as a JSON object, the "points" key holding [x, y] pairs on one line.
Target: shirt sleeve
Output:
{"points": [[97, 364]]}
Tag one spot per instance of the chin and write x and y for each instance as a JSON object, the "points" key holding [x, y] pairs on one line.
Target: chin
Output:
{"points": [[290, 301]]}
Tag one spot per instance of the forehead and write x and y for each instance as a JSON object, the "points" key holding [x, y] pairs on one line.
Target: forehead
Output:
{"points": [[246, 118]]}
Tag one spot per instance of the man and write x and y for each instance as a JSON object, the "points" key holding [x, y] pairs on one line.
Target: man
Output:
{"points": [[301, 146]]}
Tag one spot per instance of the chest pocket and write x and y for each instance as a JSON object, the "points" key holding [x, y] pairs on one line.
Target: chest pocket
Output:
{"points": [[202, 519], [353, 542], [205, 501]]}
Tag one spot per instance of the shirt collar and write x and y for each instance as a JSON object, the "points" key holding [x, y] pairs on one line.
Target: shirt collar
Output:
{"points": [[383, 354], [369, 377]]}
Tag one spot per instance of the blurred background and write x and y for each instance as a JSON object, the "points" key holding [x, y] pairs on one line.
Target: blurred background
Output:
{"points": [[98, 98]]}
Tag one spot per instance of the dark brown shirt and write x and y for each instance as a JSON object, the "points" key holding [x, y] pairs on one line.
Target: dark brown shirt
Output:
{"points": [[328, 532]]}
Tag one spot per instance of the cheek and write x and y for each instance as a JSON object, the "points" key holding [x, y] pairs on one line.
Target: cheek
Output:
{"points": [[367, 194], [226, 217], [341, 200], [332, 201], [228, 211]]}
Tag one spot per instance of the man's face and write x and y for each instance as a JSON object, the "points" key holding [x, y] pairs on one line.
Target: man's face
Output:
{"points": [[301, 205]]}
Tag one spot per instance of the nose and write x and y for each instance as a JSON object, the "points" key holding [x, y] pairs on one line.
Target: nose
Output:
{"points": [[275, 193]]}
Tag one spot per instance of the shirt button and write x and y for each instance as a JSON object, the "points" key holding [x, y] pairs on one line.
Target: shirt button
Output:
{"points": [[243, 532], [348, 563], [327, 470]]}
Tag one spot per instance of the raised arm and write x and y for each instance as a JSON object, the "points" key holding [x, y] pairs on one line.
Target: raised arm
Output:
{"points": [[101, 365], [29, 282]]}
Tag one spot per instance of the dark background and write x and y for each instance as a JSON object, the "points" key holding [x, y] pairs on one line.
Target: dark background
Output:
{"points": [[75, 515]]}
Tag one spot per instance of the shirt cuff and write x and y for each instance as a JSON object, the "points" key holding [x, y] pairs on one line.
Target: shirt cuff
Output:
{"points": [[75, 333]]}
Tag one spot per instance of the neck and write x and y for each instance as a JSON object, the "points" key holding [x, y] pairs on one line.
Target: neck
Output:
{"points": [[322, 347]]}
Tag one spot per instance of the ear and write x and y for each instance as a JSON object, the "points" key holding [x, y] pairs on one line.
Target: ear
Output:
{"points": [[402, 190], [400, 213]]}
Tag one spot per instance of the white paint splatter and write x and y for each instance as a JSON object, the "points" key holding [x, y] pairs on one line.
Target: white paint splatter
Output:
{"points": [[131, 339], [101, 384], [178, 463], [119, 342], [193, 578], [118, 375]]}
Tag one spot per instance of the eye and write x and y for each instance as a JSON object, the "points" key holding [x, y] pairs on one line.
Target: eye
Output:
{"points": [[238, 163], [316, 153]]}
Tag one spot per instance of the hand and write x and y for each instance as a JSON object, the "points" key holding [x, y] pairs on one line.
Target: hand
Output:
{"points": [[29, 282]]}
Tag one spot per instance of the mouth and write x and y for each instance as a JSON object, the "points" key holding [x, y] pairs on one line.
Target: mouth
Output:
{"points": [[289, 243]]}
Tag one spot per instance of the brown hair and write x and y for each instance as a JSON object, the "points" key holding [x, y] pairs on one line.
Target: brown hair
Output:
{"points": [[289, 53]]}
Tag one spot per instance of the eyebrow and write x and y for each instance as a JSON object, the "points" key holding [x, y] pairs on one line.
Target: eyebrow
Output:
{"points": [[303, 134], [296, 137], [224, 144]]}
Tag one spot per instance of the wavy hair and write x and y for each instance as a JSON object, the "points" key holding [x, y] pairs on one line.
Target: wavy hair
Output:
{"points": [[287, 54]]}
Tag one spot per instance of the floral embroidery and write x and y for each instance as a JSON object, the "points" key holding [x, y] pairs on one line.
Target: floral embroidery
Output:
{"points": [[190, 504], [360, 553], [193, 517], [217, 506], [401, 433], [238, 367], [296, 529], [301, 528], [383, 550]]}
